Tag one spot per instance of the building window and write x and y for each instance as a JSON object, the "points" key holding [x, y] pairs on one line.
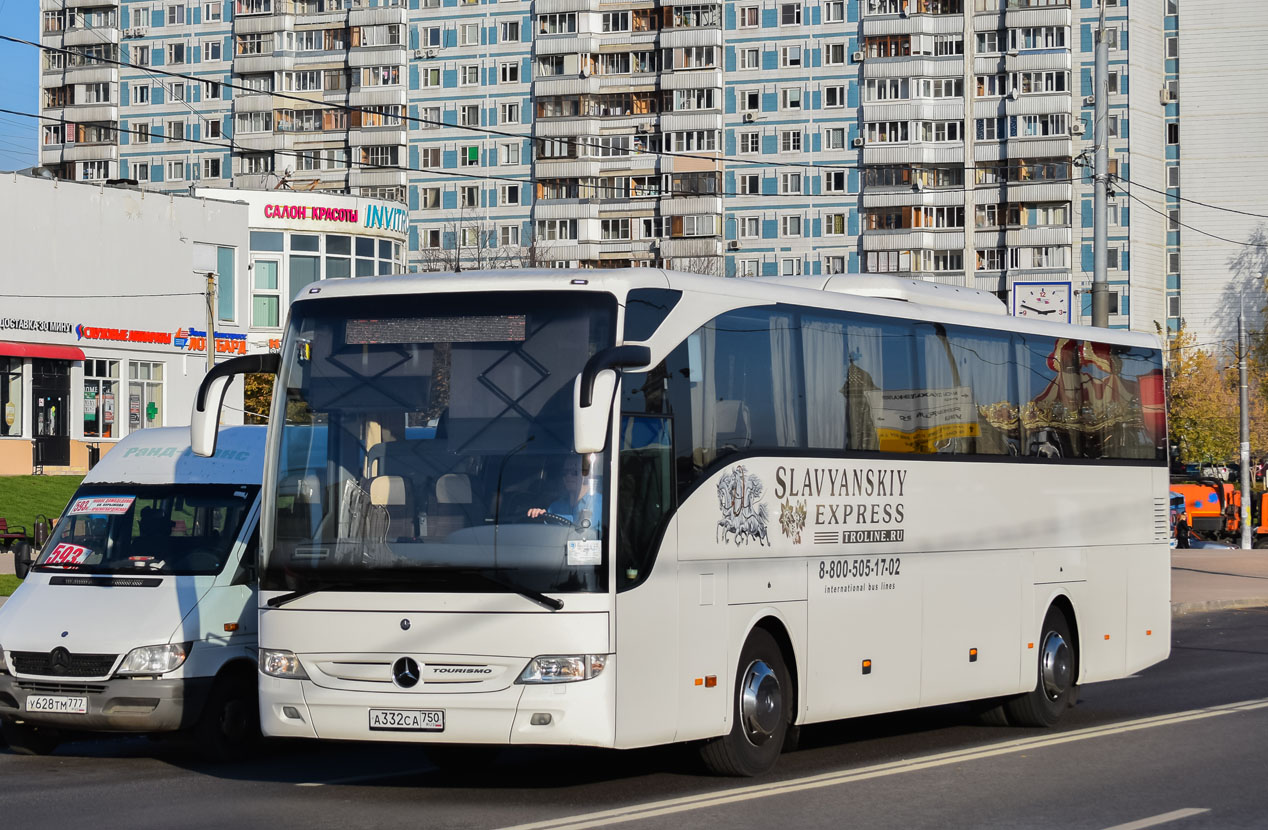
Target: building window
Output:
{"points": [[212, 12], [750, 58], [175, 15], [509, 236], [175, 53], [834, 138], [790, 99], [790, 141], [834, 265], [509, 31], [834, 96], [265, 295], [749, 183], [508, 113], [1173, 133], [469, 75], [790, 267], [749, 17], [790, 226], [145, 395], [1173, 306], [469, 34], [790, 183], [10, 396], [101, 390], [750, 142], [509, 72], [509, 194], [510, 153], [469, 156], [176, 170], [790, 56], [790, 14], [834, 224]]}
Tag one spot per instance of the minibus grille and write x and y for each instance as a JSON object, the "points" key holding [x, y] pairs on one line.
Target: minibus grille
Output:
{"points": [[65, 664], [60, 688]]}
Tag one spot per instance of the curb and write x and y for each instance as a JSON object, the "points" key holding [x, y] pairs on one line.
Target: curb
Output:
{"points": [[1180, 609]]}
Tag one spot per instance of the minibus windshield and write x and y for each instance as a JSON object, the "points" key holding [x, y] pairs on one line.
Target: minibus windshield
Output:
{"points": [[178, 529]]}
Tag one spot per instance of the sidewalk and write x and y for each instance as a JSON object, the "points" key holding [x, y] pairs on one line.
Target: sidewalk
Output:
{"points": [[1201, 580]]}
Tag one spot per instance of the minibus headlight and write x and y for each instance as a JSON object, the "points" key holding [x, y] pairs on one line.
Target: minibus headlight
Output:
{"points": [[4, 666], [154, 659], [278, 662], [563, 668]]}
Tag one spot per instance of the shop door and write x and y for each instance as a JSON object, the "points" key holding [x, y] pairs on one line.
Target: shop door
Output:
{"points": [[50, 415]]}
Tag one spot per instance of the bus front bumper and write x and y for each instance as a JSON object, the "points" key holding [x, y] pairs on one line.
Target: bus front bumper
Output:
{"points": [[580, 713]]}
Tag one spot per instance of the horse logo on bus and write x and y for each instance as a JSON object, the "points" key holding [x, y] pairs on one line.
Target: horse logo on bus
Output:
{"points": [[744, 515]]}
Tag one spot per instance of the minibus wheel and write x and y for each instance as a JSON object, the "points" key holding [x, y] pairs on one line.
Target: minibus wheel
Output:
{"points": [[760, 712], [1057, 674], [28, 739], [229, 728]]}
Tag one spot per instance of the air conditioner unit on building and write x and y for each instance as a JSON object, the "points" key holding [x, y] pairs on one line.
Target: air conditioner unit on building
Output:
{"points": [[1077, 128], [1012, 52], [647, 128], [1014, 94], [733, 245], [857, 57], [858, 142], [418, 54], [1167, 96], [1089, 100], [431, 53], [749, 117]]}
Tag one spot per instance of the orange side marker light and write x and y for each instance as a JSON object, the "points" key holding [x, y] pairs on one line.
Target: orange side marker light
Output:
{"points": [[710, 681], [231, 626]]}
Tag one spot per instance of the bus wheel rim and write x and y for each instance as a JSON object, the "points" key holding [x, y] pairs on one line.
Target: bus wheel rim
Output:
{"points": [[1056, 669], [761, 703]]}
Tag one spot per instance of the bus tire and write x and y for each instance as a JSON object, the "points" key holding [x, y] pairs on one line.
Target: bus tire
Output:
{"points": [[760, 712], [1057, 675], [229, 727], [27, 739]]}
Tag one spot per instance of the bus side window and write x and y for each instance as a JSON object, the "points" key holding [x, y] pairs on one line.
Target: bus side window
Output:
{"points": [[248, 572], [645, 496]]}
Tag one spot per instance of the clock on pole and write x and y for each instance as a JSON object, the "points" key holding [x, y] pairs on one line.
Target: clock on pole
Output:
{"points": [[1042, 300]]}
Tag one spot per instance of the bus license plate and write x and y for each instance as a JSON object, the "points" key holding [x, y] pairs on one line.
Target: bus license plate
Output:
{"points": [[57, 705], [408, 720]]}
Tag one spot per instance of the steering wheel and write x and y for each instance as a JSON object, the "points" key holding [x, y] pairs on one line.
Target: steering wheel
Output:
{"points": [[555, 519]]}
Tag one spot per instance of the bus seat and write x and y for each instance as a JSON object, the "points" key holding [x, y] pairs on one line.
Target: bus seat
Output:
{"points": [[450, 503], [732, 424], [393, 494]]}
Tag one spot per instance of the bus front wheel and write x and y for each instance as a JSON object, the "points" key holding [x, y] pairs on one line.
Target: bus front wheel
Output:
{"points": [[760, 715], [1055, 688]]}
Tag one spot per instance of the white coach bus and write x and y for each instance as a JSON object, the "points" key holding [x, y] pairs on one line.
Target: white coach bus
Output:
{"points": [[638, 507]]}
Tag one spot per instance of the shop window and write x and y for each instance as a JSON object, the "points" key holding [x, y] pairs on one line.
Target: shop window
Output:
{"points": [[10, 396], [265, 296], [226, 294], [365, 257], [338, 251], [101, 391], [145, 395]]}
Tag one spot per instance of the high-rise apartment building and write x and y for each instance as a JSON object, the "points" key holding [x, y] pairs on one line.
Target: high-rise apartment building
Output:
{"points": [[945, 139]]}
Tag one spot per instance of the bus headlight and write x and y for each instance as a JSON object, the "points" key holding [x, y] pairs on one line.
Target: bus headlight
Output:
{"points": [[278, 662], [563, 668], [153, 659], [4, 666]]}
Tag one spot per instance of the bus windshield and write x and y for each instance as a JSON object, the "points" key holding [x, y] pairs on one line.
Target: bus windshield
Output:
{"points": [[428, 445], [178, 529]]}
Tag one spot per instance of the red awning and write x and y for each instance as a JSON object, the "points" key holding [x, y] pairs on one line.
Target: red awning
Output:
{"points": [[40, 350]]}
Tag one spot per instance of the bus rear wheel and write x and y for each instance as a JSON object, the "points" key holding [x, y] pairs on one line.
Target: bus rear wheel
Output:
{"points": [[1055, 687], [761, 712]]}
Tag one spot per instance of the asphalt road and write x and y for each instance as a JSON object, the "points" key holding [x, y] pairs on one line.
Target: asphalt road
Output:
{"points": [[1179, 746]]}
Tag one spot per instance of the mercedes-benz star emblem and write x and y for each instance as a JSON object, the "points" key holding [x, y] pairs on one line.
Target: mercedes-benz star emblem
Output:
{"points": [[405, 625], [59, 660], [405, 672]]}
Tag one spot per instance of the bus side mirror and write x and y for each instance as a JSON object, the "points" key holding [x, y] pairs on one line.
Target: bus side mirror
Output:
{"points": [[22, 558], [593, 393], [204, 421]]}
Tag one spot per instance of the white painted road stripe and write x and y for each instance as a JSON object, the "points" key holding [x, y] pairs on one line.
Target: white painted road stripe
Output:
{"points": [[1154, 821], [684, 804]]}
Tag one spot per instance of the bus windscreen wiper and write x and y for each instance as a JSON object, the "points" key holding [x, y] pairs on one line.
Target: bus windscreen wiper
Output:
{"points": [[282, 599], [527, 593]]}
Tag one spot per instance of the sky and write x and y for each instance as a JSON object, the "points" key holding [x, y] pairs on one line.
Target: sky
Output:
{"points": [[19, 84]]}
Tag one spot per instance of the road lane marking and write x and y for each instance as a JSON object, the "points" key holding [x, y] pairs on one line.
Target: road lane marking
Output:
{"points": [[1154, 821], [682, 804]]}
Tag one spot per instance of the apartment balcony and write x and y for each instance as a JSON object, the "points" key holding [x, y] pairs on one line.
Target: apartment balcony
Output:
{"points": [[1023, 237], [377, 56], [1015, 17], [91, 74], [913, 239], [565, 85], [372, 177], [83, 36], [378, 16], [703, 36], [565, 168], [261, 102], [874, 197], [1022, 61], [258, 64], [563, 127], [1037, 147], [263, 24], [560, 6], [378, 137], [58, 153], [923, 66], [639, 164], [95, 113], [688, 205], [1024, 192], [915, 152], [691, 78], [641, 82], [692, 120], [263, 142], [1034, 103], [916, 24], [375, 96], [943, 110], [566, 209], [578, 44], [695, 246]]}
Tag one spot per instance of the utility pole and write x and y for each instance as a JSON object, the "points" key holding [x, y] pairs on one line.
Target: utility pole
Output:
{"points": [[1243, 390], [211, 320], [1100, 174]]}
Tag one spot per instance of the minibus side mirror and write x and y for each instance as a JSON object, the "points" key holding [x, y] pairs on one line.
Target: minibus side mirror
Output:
{"points": [[594, 390], [22, 558], [204, 421]]}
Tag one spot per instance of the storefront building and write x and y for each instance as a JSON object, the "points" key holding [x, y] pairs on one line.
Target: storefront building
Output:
{"points": [[103, 308]]}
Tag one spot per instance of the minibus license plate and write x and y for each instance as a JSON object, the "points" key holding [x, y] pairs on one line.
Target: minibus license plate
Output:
{"points": [[57, 705], [408, 720]]}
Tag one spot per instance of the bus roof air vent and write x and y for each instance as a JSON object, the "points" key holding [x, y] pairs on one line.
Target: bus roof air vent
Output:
{"points": [[916, 291]]}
